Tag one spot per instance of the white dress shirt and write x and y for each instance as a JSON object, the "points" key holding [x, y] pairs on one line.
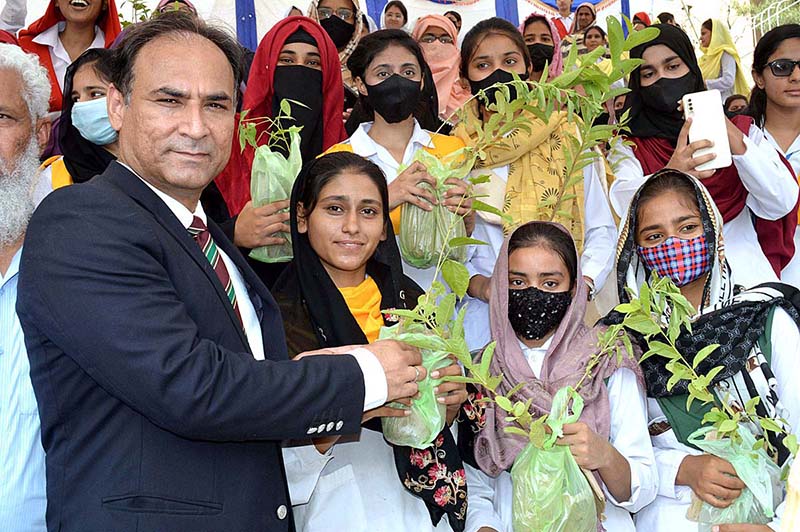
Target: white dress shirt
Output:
{"points": [[490, 499], [791, 273], [375, 385], [58, 54], [668, 512], [772, 193]]}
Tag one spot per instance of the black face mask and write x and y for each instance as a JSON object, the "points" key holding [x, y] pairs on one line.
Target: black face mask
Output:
{"points": [[534, 313], [664, 94], [498, 76], [731, 114], [394, 98], [338, 30], [304, 85], [541, 54]]}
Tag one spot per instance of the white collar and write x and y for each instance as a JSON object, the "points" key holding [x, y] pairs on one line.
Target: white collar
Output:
{"points": [[544, 347], [793, 149], [13, 268], [50, 37], [365, 146], [184, 215]]}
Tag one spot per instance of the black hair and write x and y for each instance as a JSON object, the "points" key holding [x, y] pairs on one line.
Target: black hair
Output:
{"points": [[534, 17], [766, 46], [427, 111], [399, 5], [666, 18], [123, 57], [454, 13], [590, 28], [98, 59], [708, 24], [321, 171], [732, 98], [665, 181], [484, 28], [550, 236]]}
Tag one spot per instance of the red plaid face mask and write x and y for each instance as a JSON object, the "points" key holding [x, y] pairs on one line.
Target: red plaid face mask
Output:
{"points": [[681, 260]]}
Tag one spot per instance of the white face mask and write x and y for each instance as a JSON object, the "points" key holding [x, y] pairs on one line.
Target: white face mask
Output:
{"points": [[91, 120]]}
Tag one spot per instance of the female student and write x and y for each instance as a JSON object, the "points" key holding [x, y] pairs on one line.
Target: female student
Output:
{"points": [[390, 71], [437, 36], [775, 105], [296, 60], [756, 194], [394, 16], [585, 17], [669, 215], [492, 50], [346, 271], [64, 32], [85, 135], [544, 46], [720, 61], [342, 20], [538, 268]]}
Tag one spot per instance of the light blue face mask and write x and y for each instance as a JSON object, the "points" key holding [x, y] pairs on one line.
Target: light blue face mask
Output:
{"points": [[91, 120]]}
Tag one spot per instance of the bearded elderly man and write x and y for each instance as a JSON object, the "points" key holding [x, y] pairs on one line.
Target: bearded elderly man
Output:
{"points": [[24, 95], [157, 355]]}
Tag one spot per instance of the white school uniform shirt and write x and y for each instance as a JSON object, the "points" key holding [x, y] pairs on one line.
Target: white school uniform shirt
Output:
{"points": [[727, 77], [58, 54], [489, 500], [668, 512], [363, 145], [772, 193], [597, 259], [791, 273]]}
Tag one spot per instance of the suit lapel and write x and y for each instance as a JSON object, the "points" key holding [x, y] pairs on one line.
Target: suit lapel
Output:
{"points": [[133, 186]]}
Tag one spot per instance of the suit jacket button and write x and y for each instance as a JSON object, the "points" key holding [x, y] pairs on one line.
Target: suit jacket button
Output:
{"points": [[329, 427], [312, 430], [339, 424], [321, 428], [282, 511]]}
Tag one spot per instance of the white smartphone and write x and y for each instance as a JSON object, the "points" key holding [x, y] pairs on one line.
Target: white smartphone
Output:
{"points": [[708, 123]]}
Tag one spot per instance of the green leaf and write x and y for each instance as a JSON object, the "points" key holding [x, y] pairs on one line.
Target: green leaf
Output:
{"points": [[635, 38], [459, 378], [703, 354], [516, 430], [456, 276], [478, 205], [478, 180], [504, 403], [769, 424], [641, 324], [486, 358], [750, 406], [519, 408], [728, 425], [790, 442], [465, 241]]}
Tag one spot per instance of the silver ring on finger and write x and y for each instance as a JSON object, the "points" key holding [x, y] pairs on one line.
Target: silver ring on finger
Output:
{"points": [[417, 374]]}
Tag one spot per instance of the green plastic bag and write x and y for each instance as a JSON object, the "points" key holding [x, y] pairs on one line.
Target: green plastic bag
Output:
{"points": [[755, 468], [271, 180], [423, 234], [428, 416], [550, 492]]}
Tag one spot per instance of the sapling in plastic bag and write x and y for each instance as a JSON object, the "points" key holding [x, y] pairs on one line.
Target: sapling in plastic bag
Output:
{"points": [[424, 234], [760, 474], [550, 492], [272, 175], [428, 416]]}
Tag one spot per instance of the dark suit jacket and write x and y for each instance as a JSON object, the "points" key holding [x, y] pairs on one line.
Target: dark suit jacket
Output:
{"points": [[155, 415]]}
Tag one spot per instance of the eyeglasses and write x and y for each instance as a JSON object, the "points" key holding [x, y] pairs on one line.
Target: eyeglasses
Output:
{"points": [[782, 68], [343, 13], [428, 39]]}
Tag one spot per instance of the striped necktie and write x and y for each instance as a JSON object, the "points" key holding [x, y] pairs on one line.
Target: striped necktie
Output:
{"points": [[203, 238]]}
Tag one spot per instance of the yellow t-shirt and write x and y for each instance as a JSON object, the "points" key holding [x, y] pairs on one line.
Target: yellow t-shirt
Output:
{"points": [[364, 302]]}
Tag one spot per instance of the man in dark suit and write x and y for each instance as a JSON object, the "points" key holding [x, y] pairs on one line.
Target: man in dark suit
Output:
{"points": [[157, 356]]}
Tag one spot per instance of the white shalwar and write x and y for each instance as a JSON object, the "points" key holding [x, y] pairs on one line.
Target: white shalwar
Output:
{"points": [[597, 259], [490, 499], [354, 487], [668, 512], [791, 273], [772, 193]]}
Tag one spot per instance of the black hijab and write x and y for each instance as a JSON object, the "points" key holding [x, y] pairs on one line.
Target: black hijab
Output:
{"points": [[83, 159], [306, 281], [646, 121]]}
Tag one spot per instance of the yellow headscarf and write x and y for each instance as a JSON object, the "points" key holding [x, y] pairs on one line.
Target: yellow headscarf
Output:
{"points": [[711, 60]]}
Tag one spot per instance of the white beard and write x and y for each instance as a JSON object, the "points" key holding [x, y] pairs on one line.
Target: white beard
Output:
{"points": [[16, 193]]}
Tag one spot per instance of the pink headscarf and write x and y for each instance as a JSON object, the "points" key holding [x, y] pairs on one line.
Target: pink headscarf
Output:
{"points": [[557, 63], [564, 364], [444, 61]]}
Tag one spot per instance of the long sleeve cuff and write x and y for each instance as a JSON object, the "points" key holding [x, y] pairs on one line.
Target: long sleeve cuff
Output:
{"points": [[635, 491], [669, 461], [376, 389]]}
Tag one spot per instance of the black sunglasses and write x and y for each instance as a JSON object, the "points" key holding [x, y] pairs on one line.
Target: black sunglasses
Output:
{"points": [[782, 68]]}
